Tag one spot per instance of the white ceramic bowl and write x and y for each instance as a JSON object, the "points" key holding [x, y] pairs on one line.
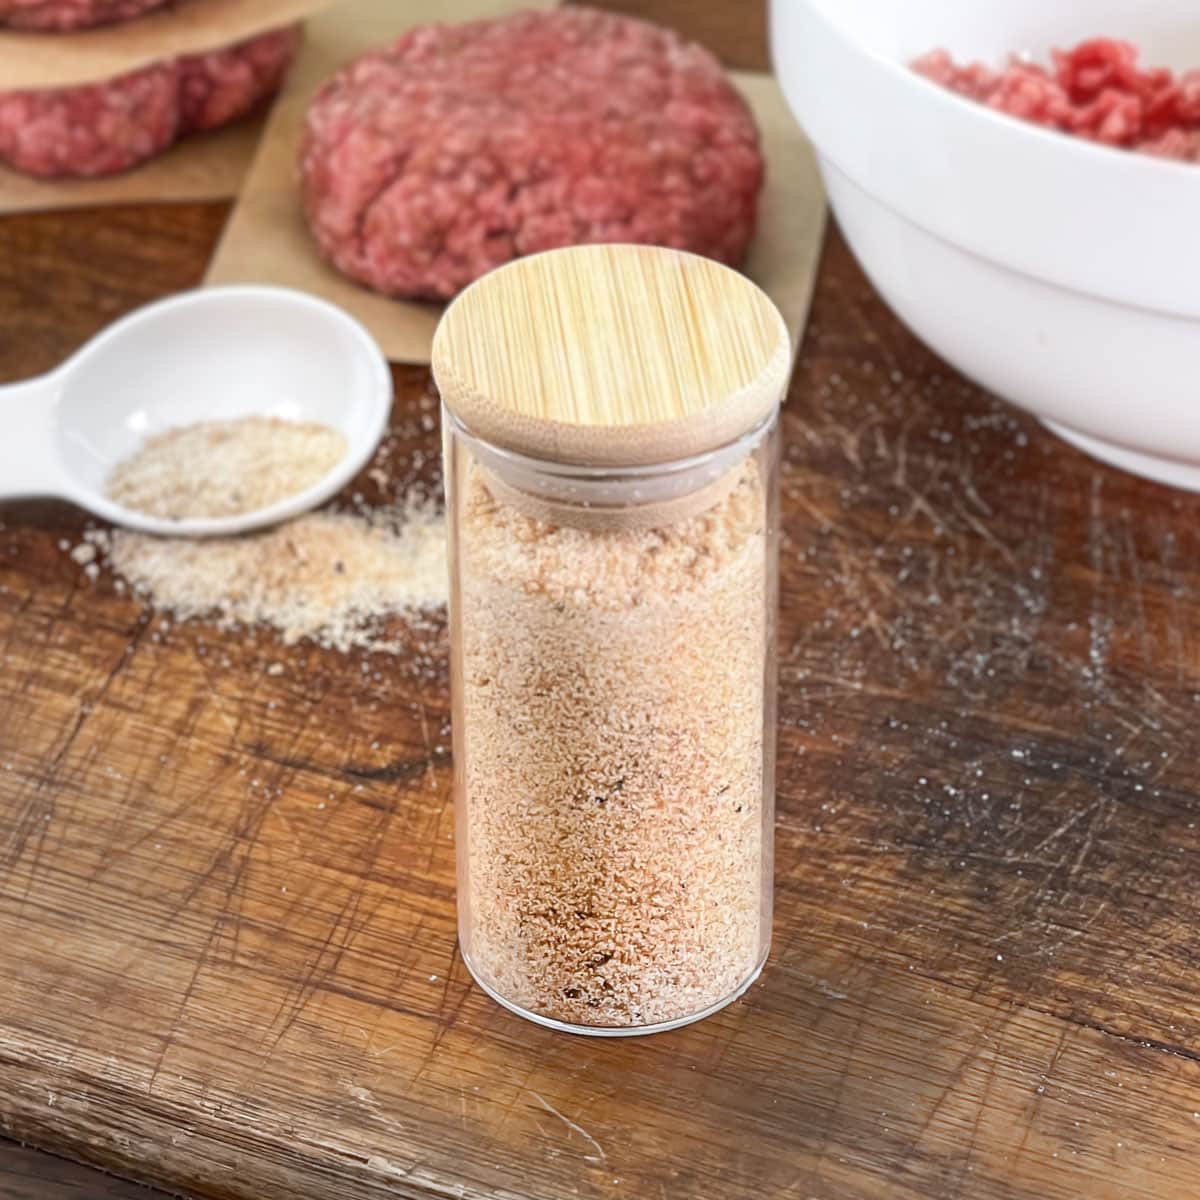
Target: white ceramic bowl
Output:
{"points": [[1062, 275]]}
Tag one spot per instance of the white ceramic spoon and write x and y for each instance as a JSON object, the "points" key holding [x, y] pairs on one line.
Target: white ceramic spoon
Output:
{"points": [[211, 355]]}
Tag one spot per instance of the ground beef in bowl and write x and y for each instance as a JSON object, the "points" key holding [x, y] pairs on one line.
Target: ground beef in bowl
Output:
{"points": [[1096, 91]]}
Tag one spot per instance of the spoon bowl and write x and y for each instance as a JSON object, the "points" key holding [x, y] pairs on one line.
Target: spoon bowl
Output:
{"points": [[218, 354]]}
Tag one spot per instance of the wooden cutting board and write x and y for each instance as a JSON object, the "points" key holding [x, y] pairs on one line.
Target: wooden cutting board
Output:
{"points": [[226, 895]]}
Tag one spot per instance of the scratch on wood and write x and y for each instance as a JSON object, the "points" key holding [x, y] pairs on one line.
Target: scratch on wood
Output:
{"points": [[599, 1156]]}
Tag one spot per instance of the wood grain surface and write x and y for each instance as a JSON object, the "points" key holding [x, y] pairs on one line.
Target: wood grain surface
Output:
{"points": [[27, 1174], [983, 976]]}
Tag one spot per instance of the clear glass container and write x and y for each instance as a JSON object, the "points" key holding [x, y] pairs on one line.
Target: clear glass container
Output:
{"points": [[614, 685]]}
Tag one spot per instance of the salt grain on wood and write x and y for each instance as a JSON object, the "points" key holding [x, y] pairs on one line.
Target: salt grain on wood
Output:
{"points": [[330, 577]]}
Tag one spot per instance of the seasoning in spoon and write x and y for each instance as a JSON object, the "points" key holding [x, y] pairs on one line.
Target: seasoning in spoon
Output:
{"points": [[225, 468]]}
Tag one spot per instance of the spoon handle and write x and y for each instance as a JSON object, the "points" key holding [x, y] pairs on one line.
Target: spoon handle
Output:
{"points": [[29, 463]]}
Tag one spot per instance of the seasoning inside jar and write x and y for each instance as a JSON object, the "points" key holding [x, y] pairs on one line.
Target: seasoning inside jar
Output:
{"points": [[611, 448]]}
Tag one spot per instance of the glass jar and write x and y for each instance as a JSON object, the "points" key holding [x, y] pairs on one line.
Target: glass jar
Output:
{"points": [[613, 692], [612, 625]]}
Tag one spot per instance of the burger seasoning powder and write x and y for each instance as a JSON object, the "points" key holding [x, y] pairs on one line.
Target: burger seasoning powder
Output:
{"points": [[612, 548], [612, 695]]}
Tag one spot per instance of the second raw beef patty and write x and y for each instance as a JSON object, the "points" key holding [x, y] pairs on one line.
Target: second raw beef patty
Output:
{"points": [[460, 147], [63, 15], [103, 128]]}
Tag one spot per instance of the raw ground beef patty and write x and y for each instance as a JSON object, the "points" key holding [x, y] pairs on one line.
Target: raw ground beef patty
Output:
{"points": [[71, 14], [103, 128], [1095, 91], [460, 147]]}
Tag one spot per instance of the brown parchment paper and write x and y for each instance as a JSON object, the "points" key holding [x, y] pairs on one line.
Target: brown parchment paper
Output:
{"points": [[209, 166], [786, 250], [267, 240], [39, 60]]}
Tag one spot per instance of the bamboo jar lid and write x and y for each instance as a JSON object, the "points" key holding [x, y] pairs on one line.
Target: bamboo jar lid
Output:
{"points": [[611, 356]]}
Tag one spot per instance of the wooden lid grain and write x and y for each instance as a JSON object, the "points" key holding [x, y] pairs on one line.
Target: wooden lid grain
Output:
{"points": [[611, 356]]}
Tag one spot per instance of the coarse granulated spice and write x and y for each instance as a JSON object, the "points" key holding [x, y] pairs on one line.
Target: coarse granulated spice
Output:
{"points": [[612, 705], [330, 577], [225, 468]]}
